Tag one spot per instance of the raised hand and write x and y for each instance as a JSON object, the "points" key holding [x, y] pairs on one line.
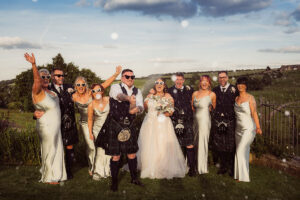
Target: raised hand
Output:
{"points": [[118, 70], [29, 58]]}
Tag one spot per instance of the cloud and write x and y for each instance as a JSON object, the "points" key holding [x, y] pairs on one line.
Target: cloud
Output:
{"points": [[171, 60], [82, 3], [296, 14], [174, 8], [184, 8], [220, 8], [289, 49], [17, 43]]}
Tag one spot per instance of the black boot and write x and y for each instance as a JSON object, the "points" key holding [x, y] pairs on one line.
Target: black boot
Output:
{"points": [[132, 164], [230, 163], [190, 153], [114, 169], [223, 163], [70, 159]]}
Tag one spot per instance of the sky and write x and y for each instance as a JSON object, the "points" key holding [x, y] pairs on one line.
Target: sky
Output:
{"points": [[150, 36]]}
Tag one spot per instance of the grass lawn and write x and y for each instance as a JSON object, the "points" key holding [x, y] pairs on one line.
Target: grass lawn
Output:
{"points": [[22, 183]]}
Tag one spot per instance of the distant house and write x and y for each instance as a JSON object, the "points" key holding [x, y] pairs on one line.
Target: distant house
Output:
{"points": [[289, 67]]}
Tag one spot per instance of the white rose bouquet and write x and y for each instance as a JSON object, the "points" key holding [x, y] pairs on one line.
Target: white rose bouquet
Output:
{"points": [[163, 104]]}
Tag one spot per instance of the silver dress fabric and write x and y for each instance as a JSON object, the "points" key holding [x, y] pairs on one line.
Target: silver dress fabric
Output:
{"points": [[83, 122], [52, 150], [102, 161], [244, 136], [202, 130]]}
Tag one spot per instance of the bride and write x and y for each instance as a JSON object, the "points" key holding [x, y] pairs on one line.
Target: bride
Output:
{"points": [[159, 155]]}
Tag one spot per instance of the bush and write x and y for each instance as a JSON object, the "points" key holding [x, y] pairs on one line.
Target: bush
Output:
{"points": [[16, 105]]}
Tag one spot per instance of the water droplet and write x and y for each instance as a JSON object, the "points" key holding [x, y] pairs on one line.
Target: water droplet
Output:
{"points": [[114, 36], [287, 113], [246, 197], [175, 91], [203, 195], [215, 78], [184, 23], [284, 160], [233, 78], [124, 191], [218, 165], [173, 78]]}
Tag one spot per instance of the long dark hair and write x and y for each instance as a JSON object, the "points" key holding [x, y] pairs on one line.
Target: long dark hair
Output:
{"points": [[165, 86]]}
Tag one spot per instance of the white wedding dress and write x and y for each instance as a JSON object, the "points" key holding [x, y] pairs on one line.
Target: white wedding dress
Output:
{"points": [[159, 155]]}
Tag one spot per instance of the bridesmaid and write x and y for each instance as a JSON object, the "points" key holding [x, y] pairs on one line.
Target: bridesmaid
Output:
{"points": [[203, 101], [52, 151], [247, 124], [82, 98], [97, 114]]}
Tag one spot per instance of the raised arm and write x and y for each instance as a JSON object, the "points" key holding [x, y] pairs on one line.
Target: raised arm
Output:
{"points": [[111, 79], [91, 120], [37, 80], [254, 115]]}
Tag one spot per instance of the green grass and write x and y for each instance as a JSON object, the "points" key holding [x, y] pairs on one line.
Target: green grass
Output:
{"points": [[21, 182]]}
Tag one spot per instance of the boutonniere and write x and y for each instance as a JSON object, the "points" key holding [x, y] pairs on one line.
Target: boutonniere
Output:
{"points": [[232, 90], [188, 87], [70, 90]]}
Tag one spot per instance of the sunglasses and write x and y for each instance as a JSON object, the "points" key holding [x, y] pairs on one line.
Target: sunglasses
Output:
{"points": [[127, 77], [83, 84], [46, 77], [159, 82], [59, 75], [95, 91]]}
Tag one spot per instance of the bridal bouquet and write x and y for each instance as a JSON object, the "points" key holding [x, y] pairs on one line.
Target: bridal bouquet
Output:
{"points": [[163, 104]]}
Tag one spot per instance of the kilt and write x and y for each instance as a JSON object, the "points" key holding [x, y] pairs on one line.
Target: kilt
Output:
{"points": [[185, 136], [223, 140], [108, 138]]}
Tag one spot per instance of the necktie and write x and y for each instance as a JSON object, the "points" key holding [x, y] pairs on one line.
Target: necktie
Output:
{"points": [[223, 89], [60, 90]]}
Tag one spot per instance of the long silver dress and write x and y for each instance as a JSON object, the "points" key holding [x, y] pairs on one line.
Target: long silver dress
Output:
{"points": [[244, 136], [202, 131], [52, 150], [102, 161], [83, 122]]}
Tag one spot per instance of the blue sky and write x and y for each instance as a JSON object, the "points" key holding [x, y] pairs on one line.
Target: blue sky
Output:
{"points": [[150, 36]]}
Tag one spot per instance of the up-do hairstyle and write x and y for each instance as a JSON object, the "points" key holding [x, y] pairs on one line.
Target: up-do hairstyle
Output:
{"points": [[44, 70], [220, 72], [81, 78], [126, 70], [97, 84], [242, 80], [180, 74], [165, 86]]}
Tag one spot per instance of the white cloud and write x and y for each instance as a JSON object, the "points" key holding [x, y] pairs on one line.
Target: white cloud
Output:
{"points": [[17, 43], [289, 49], [82, 3], [114, 36]]}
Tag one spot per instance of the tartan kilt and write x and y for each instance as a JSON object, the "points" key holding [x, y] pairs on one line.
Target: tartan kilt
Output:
{"points": [[108, 139], [186, 136]]}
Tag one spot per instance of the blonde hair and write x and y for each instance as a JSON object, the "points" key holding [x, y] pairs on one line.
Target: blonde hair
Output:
{"points": [[81, 78]]}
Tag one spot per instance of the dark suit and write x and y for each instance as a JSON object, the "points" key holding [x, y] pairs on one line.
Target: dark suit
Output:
{"points": [[223, 127], [68, 120]]}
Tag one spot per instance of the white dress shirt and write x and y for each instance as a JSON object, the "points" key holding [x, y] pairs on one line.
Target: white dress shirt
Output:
{"points": [[226, 87], [115, 90]]}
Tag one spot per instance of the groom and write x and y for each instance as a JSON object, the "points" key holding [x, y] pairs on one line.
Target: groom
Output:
{"points": [[182, 119], [119, 134], [223, 124]]}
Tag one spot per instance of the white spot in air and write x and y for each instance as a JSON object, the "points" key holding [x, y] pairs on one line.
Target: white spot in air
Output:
{"points": [[203, 195], [284, 160], [114, 36], [161, 117], [98, 96], [184, 23], [173, 78], [280, 172], [246, 197], [61, 184], [17, 168], [215, 78], [233, 78], [174, 91], [287, 113], [218, 165], [124, 191]]}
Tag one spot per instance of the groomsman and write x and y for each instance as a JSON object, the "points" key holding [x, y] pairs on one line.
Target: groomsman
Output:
{"points": [[68, 121], [223, 124], [118, 135], [182, 119]]}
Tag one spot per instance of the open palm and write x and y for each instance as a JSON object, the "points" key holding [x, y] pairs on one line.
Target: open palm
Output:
{"points": [[29, 58]]}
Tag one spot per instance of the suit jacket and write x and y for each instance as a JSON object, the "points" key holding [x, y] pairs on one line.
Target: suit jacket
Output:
{"points": [[68, 120]]}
